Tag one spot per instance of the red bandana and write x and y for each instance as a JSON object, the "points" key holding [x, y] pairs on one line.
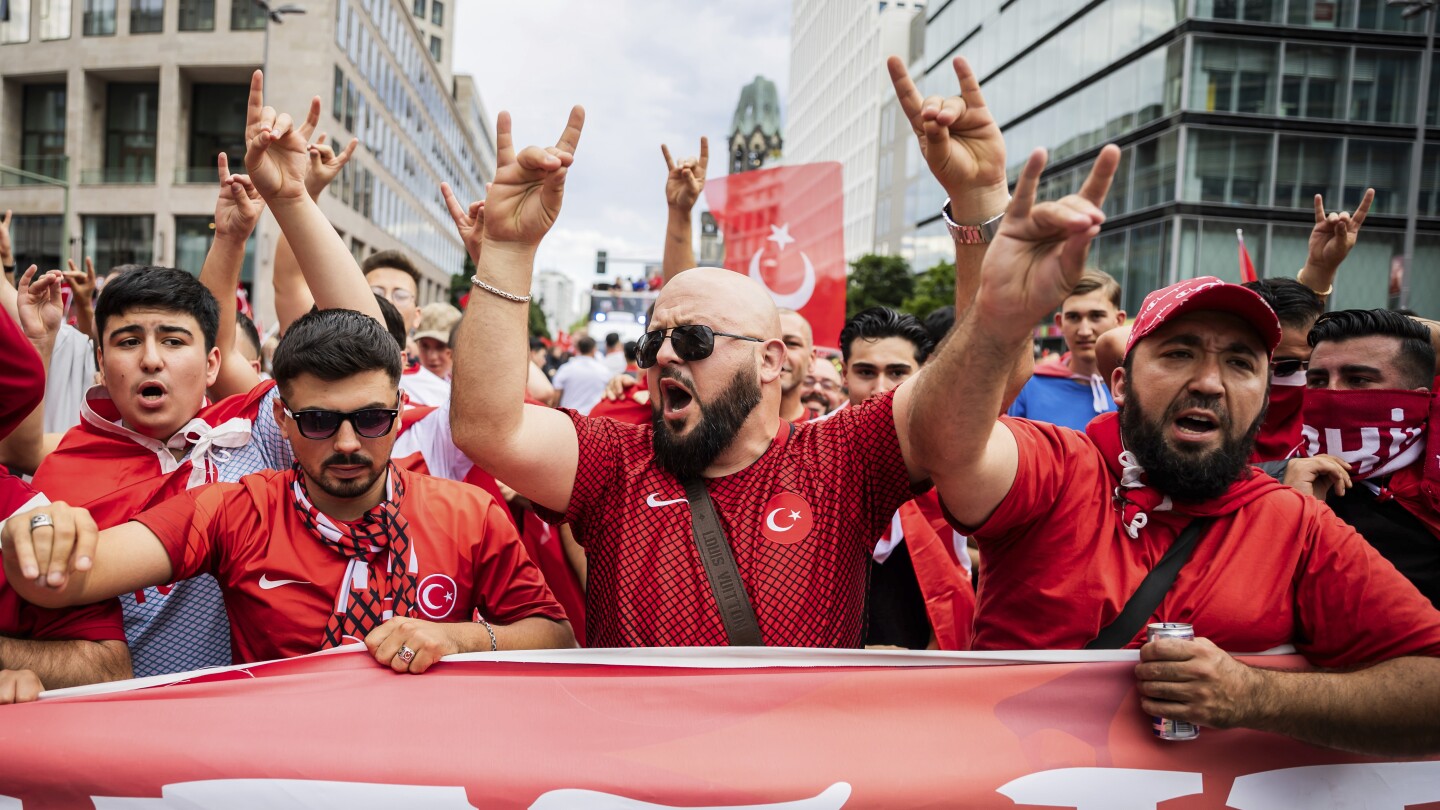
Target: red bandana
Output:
{"points": [[1279, 436], [366, 590], [1138, 503]]}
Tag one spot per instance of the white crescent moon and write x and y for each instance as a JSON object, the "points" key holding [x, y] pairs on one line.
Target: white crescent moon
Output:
{"points": [[770, 521], [425, 596], [795, 300]]}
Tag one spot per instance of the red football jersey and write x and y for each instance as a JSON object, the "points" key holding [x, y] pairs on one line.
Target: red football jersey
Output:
{"points": [[1056, 566], [280, 581], [801, 521]]}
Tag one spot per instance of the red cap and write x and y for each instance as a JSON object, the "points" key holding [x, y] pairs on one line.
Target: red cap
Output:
{"points": [[1205, 293]]}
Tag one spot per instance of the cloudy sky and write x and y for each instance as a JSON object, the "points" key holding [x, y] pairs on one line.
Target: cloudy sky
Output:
{"points": [[647, 72]]}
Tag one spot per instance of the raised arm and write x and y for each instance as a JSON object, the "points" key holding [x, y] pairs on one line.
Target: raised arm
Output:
{"points": [[237, 211], [277, 156], [532, 449], [1034, 262], [80, 563], [1330, 242], [82, 284], [683, 184], [40, 313], [58, 664], [292, 294]]}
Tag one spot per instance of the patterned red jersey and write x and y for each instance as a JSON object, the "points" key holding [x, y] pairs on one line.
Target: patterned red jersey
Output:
{"points": [[801, 522]]}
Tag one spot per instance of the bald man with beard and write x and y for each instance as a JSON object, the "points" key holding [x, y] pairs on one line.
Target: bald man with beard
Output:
{"points": [[801, 506]]}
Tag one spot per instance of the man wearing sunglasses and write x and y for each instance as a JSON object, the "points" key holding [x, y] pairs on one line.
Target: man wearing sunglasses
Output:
{"points": [[345, 547]]}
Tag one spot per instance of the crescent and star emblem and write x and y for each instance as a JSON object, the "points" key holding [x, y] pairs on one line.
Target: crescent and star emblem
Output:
{"points": [[796, 300], [775, 527], [437, 606]]}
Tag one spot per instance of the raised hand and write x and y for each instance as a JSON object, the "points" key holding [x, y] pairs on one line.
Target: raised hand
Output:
{"points": [[686, 179], [82, 282], [40, 306], [325, 164], [525, 196], [1040, 250], [1334, 235], [469, 223], [238, 208], [276, 153], [960, 141]]}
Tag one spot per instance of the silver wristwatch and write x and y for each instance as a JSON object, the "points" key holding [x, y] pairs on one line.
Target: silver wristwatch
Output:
{"points": [[980, 234]]}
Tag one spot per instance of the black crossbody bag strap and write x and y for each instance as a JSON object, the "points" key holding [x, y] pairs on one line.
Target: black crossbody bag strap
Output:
{"points": [[1137, 612], [736, 611]]}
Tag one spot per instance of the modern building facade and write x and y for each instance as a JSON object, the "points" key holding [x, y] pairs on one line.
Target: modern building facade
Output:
{"points": [[112, 113], [838, 88], [1230, 114], [555, 292]]}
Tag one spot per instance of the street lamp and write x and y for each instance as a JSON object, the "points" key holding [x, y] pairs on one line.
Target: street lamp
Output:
{"points": [[275, 14], [1414, 8]]}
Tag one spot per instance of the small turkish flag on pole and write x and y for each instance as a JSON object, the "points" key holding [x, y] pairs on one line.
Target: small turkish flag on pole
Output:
{"points": [[784, 227], [1247, 267]]}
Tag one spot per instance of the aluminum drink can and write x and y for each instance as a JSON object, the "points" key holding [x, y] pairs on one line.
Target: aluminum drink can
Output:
{"points": [[1163, 728]]}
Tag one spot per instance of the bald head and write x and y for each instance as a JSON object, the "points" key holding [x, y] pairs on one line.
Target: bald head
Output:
{"points": [[713, 295]]}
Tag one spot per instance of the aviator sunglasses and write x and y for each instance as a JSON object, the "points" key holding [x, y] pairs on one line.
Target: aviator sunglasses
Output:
{"points": [[369, 423], [691, 342]]}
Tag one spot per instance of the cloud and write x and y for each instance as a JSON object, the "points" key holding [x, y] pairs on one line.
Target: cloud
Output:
{"points": [[647, 72]]}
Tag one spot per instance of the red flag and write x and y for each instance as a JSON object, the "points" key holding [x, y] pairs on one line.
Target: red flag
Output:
{"points": [[1247, 267], [784, 228]]}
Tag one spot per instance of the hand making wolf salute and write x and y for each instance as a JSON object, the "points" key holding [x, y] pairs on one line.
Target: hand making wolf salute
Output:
{"points": [[1069, 523]]}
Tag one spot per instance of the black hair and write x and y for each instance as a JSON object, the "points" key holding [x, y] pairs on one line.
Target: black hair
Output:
{"points": [[876, 323], [334, 344], [536, 344], [629, 350], [585, 345], [394, 324], [1416, 360], [247, 327], [939, 323], [611, 340], [162, 288], [1295, 304]]}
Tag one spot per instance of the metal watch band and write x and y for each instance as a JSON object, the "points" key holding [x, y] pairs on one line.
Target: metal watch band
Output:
{"points": [[980, 234]]}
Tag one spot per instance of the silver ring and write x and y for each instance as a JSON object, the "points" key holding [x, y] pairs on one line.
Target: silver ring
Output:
{"points": [[41, 519], [406, 654]]}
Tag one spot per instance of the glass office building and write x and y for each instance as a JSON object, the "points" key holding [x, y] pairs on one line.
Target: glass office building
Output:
{"points": [[1229, 113]]}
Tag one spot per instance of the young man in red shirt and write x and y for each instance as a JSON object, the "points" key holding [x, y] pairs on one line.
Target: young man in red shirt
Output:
{"points": [[345, 547], [1069, 524]]}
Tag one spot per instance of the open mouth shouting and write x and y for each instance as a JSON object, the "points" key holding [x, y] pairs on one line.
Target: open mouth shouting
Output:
{"points": [[676, 400], [1195, 425], [152, 395]]}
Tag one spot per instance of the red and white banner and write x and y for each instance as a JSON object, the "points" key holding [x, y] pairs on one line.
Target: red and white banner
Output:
{"points": [[784, 227], [651, 729]]}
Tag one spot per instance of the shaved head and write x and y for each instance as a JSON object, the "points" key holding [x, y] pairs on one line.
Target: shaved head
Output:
{"points": [[714, 295]]}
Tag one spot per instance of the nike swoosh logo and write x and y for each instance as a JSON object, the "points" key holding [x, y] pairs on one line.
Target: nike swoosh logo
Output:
{"points": [[267, 583], [653, 502]]}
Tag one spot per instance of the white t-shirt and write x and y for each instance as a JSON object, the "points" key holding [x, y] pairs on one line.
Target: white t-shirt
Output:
{"points": [[425, 388], [72, 372], [582, 383], [615, 361]]}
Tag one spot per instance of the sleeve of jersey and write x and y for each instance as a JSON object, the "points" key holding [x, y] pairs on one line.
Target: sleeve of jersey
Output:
{"points": [[596, 467], [871, 444], [508, 584], [191, 527], [22, 377], [1353, 606], [101, 621], [1044, 465]]}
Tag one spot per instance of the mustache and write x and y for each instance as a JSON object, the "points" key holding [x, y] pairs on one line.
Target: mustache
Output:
{"points": [[348, 460], [1211, 404], [672, 373]]}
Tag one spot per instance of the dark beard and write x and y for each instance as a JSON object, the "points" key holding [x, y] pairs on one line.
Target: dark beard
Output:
{"points": [[1187, 477], [344, 489], [688, 456]]}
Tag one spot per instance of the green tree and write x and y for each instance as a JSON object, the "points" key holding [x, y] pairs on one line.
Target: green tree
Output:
{"points": [[878, 281], [539, 326], [934, 288]]}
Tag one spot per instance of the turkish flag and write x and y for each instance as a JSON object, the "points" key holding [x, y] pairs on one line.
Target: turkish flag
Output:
{"points": [[784, 228]]}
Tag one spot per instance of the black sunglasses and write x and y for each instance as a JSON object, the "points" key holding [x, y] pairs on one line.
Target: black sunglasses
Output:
{"points": [[1285, 368], [692, 342], [369, 423]]}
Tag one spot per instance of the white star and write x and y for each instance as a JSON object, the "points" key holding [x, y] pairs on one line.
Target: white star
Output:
{"points": [[780, 235], [794, 515]]}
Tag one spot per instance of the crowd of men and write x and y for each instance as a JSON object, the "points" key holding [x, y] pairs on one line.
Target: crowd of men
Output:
{"points": [[425, 482]]}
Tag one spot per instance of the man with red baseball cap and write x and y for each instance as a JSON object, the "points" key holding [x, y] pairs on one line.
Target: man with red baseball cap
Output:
{"points": [[1070, 524]]}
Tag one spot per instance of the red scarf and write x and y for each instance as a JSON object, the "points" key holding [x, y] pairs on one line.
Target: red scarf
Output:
{"points": [[1137, 503], [1382, 433], [1279, 436], [366, 590]]}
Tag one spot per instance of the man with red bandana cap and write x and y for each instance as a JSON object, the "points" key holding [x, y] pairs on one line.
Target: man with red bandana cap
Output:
{"points": [[1070, 523]]}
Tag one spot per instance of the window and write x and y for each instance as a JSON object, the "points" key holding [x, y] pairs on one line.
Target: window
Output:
{"points": [[1231, 77], [1313, 82], [1307, 166], [1384, 87], [1383, 165], [15, 26], [1322, 13], [420, 9], [36, 240], [197, 15], [1149, 262], [1154, 171], [246, 15], [131, 122], [337, 95], [54, 19], [42, 138], [435, 48], [1248, 10], [114, 241], [193, 236], [437, 12], [1228, 167], [147, 16], [1430, 183], [217, 124], [98, 18]]}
